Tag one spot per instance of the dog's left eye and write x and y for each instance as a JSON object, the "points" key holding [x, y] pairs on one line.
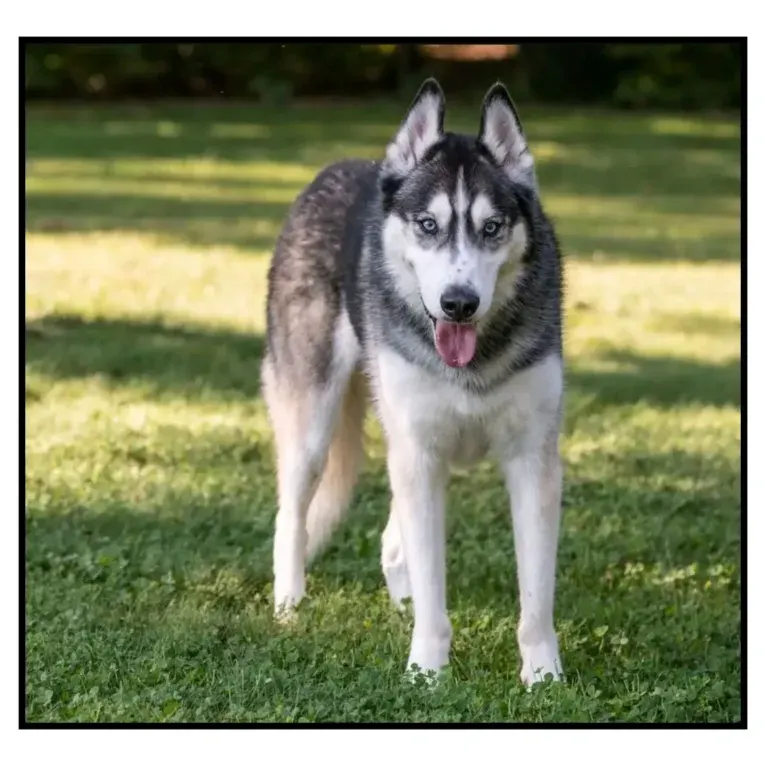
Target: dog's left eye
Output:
{"points": [[491, 229], [428, 225]]}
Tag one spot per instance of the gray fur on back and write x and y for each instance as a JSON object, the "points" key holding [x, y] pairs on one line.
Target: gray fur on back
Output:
{"points": [[306, 291]]}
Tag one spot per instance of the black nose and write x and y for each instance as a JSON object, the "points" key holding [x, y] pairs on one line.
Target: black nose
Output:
{"points": [[459, 303]]}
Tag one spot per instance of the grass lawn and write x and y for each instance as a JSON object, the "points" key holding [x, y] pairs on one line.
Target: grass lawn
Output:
{"points": [[149, 474]]}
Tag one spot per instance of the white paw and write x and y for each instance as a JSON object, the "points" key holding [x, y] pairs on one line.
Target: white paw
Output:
{"points": [[398, 583], [430, 654], [285, 613], [540, 662], [286, 601]]}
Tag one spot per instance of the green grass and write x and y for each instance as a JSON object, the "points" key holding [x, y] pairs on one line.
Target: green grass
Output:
{"points": [[149, 472]]}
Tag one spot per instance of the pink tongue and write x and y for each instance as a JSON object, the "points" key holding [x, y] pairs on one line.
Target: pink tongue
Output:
{"points": [[456, 343]]}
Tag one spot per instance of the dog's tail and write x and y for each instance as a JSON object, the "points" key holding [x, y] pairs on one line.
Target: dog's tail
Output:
{"points": [[344, 459]]}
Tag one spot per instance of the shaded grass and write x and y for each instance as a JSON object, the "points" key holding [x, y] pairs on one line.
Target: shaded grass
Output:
{"points": [[149, 472], [620, 186]]}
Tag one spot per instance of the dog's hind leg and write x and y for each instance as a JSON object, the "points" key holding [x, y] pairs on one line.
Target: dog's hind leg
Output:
{"points": [[311, 422], [393, 562]]}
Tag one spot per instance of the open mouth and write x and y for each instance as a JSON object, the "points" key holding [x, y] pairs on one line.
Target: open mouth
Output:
{"points": [[455, 342]]}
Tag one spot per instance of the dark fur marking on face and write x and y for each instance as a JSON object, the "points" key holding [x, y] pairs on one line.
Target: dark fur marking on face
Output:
{"points": [[439, 172], [389, 186]]}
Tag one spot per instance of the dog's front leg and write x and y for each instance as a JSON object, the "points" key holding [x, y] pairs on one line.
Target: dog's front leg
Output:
{"points": [[418, 483], [533, 477]]}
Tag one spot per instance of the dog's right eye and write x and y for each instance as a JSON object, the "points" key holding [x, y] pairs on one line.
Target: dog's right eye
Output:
{"points": [[427, 225]]}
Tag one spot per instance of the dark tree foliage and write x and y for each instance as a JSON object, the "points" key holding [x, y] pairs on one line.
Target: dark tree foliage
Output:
{"points": [[667, 75]]}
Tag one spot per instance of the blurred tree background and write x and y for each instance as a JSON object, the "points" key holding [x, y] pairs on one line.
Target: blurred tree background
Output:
{"points": [[674, 75]]}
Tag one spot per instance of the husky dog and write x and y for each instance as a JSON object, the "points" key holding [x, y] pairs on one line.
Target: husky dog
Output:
{"points": [[429, 283]]}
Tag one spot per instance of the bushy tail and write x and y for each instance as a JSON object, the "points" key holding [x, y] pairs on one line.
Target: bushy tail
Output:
{"points": [[344, 460]]}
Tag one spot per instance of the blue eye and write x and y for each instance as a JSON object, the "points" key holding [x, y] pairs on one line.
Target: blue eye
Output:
{"points": [[491, 228], [428, 225]]}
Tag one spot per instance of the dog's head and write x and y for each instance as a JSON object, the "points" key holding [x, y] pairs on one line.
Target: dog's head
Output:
{"points": [[457, 222]]}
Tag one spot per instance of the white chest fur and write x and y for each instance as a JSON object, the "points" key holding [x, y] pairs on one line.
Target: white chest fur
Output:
{"points": [[464, 426]]}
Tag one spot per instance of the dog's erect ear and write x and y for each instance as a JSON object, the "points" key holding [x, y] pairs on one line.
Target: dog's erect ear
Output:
{"points": [[501, 132], [421, 129]]}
